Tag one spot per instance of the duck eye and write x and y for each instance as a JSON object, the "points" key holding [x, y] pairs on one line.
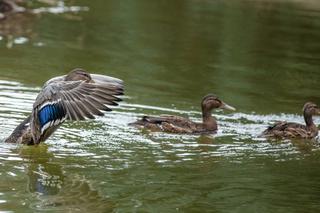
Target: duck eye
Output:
{"points": [[84, 74]]}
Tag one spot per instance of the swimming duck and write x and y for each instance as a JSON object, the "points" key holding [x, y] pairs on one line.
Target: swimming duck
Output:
{"points": [[177, 124], [9, 6], [285, 129], [75, 96]]}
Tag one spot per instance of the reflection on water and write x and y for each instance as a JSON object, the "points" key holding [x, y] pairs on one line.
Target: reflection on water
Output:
{"points": [[18, 27], [48, 185], [260, 56], [49, 167], [56, 191], [75, 194]]}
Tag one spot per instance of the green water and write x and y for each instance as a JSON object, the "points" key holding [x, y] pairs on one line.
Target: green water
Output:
{"points": [[261, 57]]}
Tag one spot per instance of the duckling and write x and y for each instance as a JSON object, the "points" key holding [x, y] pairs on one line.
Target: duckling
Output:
{"points": [[285, 129], [75, 96], [177, 124]]}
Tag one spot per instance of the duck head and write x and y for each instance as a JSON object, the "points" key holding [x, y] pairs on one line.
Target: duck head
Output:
{"points": [[211, 101], [310, 109], [78, 74]]}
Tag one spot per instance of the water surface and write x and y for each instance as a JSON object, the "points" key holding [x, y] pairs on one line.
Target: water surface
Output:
{"points": [[260, 56]]}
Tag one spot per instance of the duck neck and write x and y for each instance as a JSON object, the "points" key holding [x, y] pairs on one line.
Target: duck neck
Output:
{"points": [[209, 122], [22, 133], [309, 121]]}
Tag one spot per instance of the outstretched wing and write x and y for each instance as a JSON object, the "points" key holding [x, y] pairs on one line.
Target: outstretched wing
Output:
{"points": [[73, 100], [97, 78]]}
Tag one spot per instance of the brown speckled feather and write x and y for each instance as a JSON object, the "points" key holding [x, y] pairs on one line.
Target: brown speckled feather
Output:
{"points": [[284, 129], [178, 124], [168, 123], [294, 130]]}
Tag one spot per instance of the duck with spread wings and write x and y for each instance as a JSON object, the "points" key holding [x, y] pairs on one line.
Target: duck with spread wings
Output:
{"points": [[75, 96]]}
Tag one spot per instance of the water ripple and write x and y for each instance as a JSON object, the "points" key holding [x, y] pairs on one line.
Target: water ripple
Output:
{"points": [[110, 138]]}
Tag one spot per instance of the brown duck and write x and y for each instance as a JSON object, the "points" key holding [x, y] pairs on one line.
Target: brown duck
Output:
{"points": [[285, 129], [177, 124], [75, 96], [9, 7]]}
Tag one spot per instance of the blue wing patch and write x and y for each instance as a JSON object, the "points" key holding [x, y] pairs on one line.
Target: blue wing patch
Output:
{"points": [[51, 113]]}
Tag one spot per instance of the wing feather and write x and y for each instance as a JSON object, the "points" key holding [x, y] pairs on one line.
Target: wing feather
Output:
{"points": [[78, 100]]}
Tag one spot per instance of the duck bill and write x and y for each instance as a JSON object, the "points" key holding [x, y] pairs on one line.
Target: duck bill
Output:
{"points": [[228, 107]]}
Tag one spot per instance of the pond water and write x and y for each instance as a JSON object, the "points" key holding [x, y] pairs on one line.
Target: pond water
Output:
{"points": [[261, 57]]}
